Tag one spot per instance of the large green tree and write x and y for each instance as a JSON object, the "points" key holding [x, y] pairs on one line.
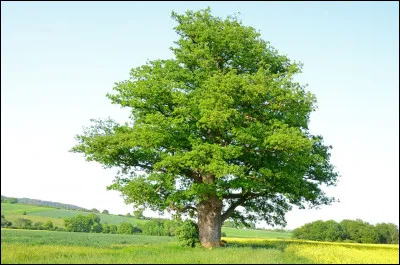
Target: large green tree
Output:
{"points": [[219, 131]]}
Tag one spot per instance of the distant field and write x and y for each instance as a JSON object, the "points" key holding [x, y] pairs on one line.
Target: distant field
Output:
{"points": [[42, 214], [252, 233], [25, 246]]}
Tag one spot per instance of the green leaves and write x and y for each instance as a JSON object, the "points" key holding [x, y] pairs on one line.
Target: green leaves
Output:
{"points": [[224, 117]]}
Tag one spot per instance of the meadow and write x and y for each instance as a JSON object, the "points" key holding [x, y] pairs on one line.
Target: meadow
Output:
{"points": [[42, 214], [26, 246]]}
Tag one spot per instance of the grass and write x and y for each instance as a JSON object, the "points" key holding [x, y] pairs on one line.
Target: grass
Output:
{"points": [[24, 246], [42, 214], [251, 233]]}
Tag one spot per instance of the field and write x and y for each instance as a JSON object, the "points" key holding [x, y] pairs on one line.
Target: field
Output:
{"points": [[25, 246], [42, 214]]}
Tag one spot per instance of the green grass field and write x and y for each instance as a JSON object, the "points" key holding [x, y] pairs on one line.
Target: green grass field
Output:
{"points": [[42, 214], [25, 246], [252, 233]]}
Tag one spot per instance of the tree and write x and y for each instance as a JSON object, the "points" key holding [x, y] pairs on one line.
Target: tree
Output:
{"points": [[388, 233], [5, 222], [125, 228], [23, 223], [105, 212], [138, 214], [360, 231], [48, 225], [219, 131], [77, 223], [94, 210]]}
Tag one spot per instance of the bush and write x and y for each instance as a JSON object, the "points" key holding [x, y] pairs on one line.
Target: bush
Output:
{"points": [[96, 228], [23, 213], [80, 223], [170, 227], [38, 226], [223, 234], [48, 225], [188, 234], [77, 223], [23, 223], [154, 228], [125, 228], [113, 229], [106, 228], [5, 222], [137, 230], [59, 229]]}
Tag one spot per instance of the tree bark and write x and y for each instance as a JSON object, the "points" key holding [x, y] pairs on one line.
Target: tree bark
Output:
{"points": [[210, 221]]}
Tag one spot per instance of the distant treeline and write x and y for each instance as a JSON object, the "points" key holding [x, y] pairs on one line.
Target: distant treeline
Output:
{"points": [[352, 231], [42, 203]]}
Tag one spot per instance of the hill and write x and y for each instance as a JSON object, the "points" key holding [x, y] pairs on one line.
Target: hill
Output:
{"points": [[42, 203], [42, 214]]}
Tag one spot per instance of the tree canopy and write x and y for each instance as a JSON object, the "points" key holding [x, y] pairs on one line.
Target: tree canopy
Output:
{"points": [[223, 124]]}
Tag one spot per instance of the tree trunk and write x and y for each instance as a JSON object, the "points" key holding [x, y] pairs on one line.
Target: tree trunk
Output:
{"points": [[210, 222]]}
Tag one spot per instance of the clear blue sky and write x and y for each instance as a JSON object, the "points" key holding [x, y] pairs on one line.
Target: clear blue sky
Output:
{"points": [[59, 59]]}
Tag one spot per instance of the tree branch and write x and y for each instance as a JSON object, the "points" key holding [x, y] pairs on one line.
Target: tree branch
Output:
{"points": [[232, 208]]}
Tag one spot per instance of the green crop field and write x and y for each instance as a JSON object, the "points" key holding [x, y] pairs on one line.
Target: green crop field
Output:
{"points": [[25, 246]]}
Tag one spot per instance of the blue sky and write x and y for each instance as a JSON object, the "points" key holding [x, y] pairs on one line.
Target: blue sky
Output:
{"points": [[59, 59]]}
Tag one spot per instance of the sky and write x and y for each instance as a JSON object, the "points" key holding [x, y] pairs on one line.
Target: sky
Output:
{"points": [[59, 59]]}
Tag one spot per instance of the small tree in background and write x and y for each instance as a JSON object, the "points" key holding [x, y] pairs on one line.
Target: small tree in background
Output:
{"points": [[48, 225], [94, 210], [5, 222], [23, 223], [105, 212], [388, 233], [138, 214], [113, 229], [125, 228]]}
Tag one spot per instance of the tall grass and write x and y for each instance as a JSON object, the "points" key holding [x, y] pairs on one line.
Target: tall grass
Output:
{"points": [[23, 246]]}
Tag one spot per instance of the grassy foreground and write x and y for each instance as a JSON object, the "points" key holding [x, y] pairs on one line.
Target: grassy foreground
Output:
{"points": [[25, 246]]}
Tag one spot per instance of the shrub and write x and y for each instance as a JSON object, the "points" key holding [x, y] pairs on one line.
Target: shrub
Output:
{"points": [[106, 228], [154, 228], [170, 227], [23, 223], [48, 225], [96, 228], [223, 234], [113, 229], [188, 234], [5, 222], [137, 230], [78, 223], [38, 226], [125, 228]]}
